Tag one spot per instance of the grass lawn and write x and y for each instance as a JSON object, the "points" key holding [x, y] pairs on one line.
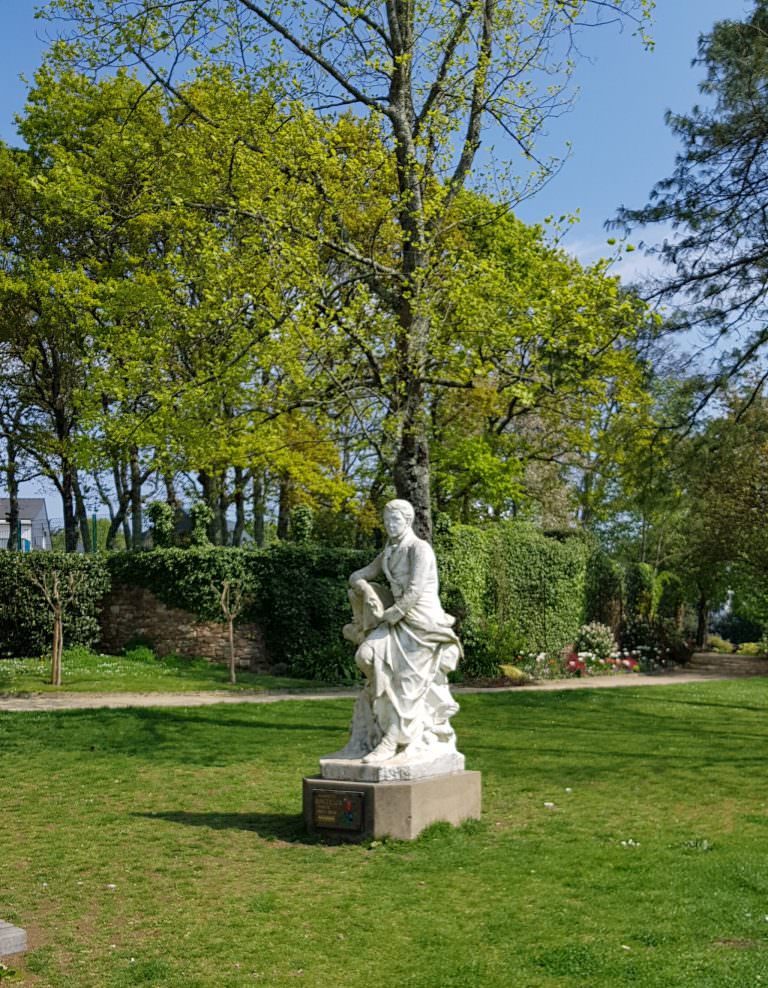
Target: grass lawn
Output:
{"points": [[137, 672], [164, 848]]}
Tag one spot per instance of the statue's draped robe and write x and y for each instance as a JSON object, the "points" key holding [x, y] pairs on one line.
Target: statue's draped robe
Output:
{"points": [[408, 675]]}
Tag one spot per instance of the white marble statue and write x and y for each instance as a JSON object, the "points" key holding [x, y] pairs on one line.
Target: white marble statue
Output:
{"points": [[406, 648]]}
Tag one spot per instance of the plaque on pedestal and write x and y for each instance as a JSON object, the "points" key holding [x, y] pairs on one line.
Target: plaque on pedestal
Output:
{"points": [[389, 809]]}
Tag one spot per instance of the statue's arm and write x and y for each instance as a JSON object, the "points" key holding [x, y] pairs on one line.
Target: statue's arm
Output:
{"points": [[369, 572], [421, 559]]}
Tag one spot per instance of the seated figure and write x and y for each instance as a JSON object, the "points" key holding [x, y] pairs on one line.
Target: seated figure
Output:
{"points": [[406, 648]]}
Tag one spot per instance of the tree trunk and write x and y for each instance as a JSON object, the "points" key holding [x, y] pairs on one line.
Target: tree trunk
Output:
{"points": [[231, 634], [13, 495], [702, 612], [58, 635], [171, 495], [81, 514], [411, 467], [68, 507], [210, 496], [258, 509], [411, 476], [239, 499], [119, 517], [223, 504], [136, 508], [284, 509]]}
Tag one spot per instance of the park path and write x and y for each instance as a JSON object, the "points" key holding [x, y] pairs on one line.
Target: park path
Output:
{"points": [[95, 701]]}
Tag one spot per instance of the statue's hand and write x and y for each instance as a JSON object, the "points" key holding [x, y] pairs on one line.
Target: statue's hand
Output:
{"points": [[377, 608], [392, 615]]}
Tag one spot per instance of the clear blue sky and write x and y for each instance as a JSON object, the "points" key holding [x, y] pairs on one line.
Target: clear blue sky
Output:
{"points": [[621, 145]]}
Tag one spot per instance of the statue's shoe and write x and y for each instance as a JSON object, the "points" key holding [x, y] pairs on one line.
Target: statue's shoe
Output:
{"points": [[383, 751]]}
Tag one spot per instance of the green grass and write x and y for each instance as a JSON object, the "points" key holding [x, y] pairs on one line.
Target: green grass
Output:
{"points": [[139, 671], [164, 848]]}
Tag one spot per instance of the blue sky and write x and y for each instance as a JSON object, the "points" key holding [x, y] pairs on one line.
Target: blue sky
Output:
{"points": [[621, 145]]}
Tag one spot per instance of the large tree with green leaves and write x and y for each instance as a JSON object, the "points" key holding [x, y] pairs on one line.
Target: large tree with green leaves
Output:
{"points": [[434, 77], [714, 202]]}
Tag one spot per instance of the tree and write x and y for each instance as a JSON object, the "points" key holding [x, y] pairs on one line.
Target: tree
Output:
{"points": [[433, 78], [59, 589], [233, 598], [714, 201], [140, 333]]}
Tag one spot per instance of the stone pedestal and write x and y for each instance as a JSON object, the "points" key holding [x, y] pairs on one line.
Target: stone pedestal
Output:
{"points": [[354, 810], [13, 940]]}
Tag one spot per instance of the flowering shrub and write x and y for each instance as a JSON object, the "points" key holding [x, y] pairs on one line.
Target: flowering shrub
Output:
{"points": [[591, 664], [597, 639], [543, 665]]}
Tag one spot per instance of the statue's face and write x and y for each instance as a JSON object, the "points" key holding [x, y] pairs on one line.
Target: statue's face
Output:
{"points": [[395, 523]]}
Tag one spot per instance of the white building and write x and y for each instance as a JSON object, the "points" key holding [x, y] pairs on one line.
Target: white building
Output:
{"points": [[35, 527]]}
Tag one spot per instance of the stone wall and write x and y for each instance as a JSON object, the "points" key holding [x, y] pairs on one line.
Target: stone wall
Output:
{"points": [[129, 613]]}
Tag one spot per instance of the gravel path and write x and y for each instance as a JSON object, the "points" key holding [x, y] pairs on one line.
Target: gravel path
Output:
{"points": [[96, 701]]}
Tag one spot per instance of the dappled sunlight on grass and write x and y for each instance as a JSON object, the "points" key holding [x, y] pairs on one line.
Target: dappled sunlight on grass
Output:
{"points": [[622, 843]]}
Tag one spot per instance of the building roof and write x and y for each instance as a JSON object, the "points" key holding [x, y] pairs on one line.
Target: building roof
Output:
{"points": [[30, 508]]}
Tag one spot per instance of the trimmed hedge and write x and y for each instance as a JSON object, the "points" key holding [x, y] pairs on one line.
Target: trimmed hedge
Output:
{"points": [[512, 589], [26, 622], [186, 578], [298, 595]]}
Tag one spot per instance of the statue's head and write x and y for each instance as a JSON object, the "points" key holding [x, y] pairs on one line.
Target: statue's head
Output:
{"points": [[398, 516]]}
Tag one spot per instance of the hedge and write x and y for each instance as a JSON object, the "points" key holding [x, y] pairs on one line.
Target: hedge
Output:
{"points": [[25, 620], [298, 595], [512, 588]]}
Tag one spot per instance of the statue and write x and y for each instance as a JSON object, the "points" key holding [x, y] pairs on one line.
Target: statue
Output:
{"points": [[406, 646]]}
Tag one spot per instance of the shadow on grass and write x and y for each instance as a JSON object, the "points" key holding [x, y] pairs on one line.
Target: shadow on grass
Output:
{"points": [[269, 826]]}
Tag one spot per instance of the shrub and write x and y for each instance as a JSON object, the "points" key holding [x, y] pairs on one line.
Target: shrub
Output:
{"points": [[596, 639], [670, 596], [750, 648], [511, 589], [161, 516], [640, 587], [717, 644], [658, 642], [25, 620], [298, 595], [604, 591]]}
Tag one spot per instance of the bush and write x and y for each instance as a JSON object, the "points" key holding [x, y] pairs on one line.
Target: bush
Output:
{"points": [[185, 578], [512, 589], [670, 596], [717, 644], [750, 648], [302, 605], [298, 595], [604, 591], [597, 639], [25, 620], [658, 642], [640, 592], [736, 628]]}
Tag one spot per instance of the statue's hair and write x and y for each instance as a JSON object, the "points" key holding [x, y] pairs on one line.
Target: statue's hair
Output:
{"points": [[404, 507]]}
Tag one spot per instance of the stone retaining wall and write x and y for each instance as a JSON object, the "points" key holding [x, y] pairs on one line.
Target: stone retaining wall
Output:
{"points": [[130, 613]]}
